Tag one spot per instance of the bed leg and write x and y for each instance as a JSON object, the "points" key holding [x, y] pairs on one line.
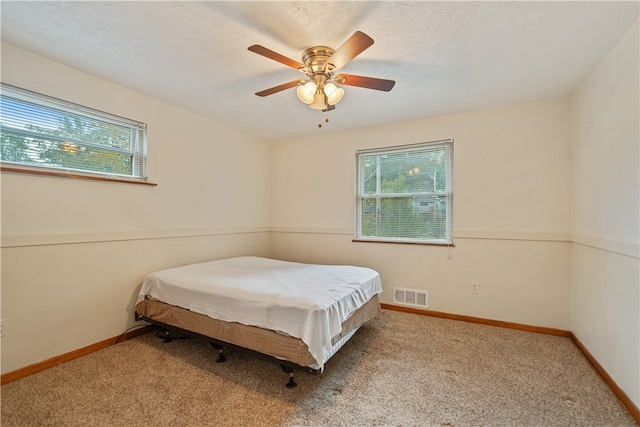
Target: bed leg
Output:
{"points": [[165, 334], [289, 370], [291, 383], [221, 357]]}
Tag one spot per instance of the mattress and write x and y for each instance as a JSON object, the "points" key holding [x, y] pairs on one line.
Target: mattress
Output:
{"points": [[306, 301]]}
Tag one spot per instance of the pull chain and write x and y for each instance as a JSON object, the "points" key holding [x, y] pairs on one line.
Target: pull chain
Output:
{"points": [[326, 120]]}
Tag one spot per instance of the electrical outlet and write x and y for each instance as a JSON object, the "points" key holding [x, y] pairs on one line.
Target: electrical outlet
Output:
{"points": [[475, 288], [3, 327]]}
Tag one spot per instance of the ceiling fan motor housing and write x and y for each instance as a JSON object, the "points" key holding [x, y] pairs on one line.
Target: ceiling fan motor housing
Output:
{"points": [[315, 57]]}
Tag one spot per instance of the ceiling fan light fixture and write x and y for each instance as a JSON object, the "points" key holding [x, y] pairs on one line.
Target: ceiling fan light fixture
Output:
{"points": [[306, 92], [318, 102], [334, 93]]}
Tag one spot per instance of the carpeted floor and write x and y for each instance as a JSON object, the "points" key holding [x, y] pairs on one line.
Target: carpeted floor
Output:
{"points": [[400, 369]]}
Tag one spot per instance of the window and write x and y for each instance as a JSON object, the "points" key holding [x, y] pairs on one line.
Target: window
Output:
{"points": [[43, 132], [405, 194]]}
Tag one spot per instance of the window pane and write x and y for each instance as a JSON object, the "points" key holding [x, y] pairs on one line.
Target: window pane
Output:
{"points": [[405, 217], [42, 131], [64, 155], [409, 172]]}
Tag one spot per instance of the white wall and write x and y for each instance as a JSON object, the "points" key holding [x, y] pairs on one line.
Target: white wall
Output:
{"points": [[511, 211], [606, 215], [74, 251]]}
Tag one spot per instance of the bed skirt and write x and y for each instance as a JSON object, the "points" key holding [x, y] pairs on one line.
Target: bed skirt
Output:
{"points": [[272, 343]]}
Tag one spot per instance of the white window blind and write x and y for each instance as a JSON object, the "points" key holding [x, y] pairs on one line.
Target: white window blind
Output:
{"points": [[44, 132], [405, 194]]}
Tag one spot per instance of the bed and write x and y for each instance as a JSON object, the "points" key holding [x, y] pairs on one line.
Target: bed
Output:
{"points": [[300, 314]]}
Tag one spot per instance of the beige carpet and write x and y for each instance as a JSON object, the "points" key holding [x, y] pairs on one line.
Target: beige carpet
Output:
{"points": [[400, 369]]}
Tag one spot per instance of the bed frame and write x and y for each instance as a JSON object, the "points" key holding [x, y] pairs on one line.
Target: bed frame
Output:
{"points": [[292, 353]]}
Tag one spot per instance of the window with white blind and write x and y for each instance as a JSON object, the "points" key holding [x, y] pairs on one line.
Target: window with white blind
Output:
{"points": [[44, 133], [405, 193]]}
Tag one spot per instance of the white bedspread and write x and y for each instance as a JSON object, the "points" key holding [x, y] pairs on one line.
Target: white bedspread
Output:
{"points": [[306, 301]]}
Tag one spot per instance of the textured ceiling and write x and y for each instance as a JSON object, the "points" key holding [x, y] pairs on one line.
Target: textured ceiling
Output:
{"points": [[446, 57]]}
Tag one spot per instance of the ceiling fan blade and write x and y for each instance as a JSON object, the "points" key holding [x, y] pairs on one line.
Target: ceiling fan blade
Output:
{"points": [[366, 82], [279, 88], [261, 50], [354, 46]]}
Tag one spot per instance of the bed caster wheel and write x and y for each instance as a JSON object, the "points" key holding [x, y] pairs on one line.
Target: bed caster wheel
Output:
{"points": [[221, 357], [291, 383], [165, 334], [289, 370]]}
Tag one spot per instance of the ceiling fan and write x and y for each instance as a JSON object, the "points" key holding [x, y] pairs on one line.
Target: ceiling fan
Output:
{"points": [[319, 64]]}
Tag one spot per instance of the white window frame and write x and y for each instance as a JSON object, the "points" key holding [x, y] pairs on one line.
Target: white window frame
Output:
{"points": [[447, 194], [42, 104]]}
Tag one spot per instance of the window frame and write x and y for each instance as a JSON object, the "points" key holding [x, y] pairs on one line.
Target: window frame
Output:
{"points": [[137, 151], [447, 145]]}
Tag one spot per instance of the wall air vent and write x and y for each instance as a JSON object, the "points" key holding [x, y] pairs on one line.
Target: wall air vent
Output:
{"points": [[412, 297]]}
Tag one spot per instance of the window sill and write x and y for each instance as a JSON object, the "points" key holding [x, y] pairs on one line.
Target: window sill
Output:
{"points": [[75, 176], [404, 242]]}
